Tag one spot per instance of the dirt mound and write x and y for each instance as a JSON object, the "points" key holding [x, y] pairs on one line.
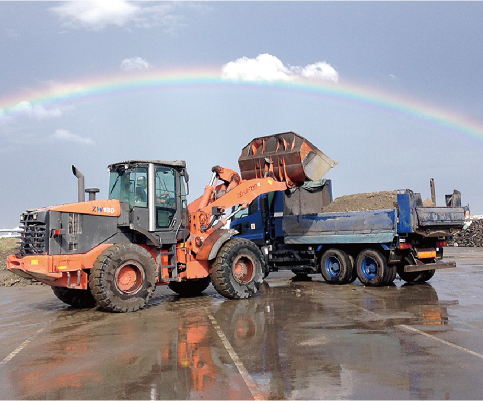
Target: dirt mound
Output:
{"points": [[9, 246], [362, 202]]}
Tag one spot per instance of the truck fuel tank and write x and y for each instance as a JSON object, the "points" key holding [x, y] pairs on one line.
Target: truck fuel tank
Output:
{"points": [[286, 157]]}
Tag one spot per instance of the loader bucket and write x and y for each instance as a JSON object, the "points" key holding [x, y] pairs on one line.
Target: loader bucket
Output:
{"points": [[286, 157]]}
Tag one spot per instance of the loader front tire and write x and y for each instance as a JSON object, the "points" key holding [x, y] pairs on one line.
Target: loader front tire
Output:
{"points": [[190, 288], [75, 298], [238, 269], [123, 278]]}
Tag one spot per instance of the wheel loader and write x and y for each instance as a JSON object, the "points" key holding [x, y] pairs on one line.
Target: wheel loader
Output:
{"points": [[114, 252]]}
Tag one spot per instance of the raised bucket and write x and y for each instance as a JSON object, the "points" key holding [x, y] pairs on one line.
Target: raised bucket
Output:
{"points": [[286, 157]]}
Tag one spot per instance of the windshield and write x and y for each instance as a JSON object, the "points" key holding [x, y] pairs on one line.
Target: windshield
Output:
{"points": [[130, 186]]}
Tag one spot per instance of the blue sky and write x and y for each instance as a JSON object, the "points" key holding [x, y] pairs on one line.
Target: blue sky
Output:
{"points": [[428, 53]]}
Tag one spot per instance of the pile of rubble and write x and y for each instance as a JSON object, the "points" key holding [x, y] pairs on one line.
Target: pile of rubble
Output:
{"points": [[471, 236]]}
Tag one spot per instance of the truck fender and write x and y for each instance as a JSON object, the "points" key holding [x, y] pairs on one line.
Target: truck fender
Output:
{"points": [[214, 242]]}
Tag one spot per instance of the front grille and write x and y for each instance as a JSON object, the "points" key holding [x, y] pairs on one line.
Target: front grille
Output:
{"points": [[34, 237]]}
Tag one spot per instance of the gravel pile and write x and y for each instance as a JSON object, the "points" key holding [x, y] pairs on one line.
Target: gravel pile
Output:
{"points": [[472, 236]]}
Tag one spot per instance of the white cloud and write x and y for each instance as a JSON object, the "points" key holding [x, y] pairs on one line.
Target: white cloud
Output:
{"points": [[66, 135], [135, 64], [36, 111], [96, 14], [266, 67]]}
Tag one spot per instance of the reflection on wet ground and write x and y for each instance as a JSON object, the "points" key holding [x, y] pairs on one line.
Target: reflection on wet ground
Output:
{"points": [[294, 340]]}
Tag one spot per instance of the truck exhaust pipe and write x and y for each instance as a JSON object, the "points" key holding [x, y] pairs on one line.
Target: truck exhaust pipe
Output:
{"points": [[81, 197]]}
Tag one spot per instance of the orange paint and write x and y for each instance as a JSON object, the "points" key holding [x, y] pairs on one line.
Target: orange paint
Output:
{"points": [[111, 207]]}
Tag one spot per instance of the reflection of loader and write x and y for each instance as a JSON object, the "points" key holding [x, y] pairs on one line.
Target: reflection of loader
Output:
{"points": [[113, 252]]}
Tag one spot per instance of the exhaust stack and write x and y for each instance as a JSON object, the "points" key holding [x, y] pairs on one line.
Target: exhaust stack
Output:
{"points": [[81, 197]]}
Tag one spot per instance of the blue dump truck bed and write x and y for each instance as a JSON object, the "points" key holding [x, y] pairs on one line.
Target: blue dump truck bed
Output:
{"points": [[373, 226], [293, 232]]}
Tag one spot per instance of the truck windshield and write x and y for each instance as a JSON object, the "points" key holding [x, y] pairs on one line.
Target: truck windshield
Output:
{"points": [[130, 186]]}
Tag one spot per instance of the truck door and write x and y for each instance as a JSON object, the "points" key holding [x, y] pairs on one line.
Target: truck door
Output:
{"points": [[249, 222]]}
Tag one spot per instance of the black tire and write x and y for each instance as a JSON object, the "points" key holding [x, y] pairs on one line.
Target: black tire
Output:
{"points": [[391, 274], [336, 266], [372, 269], [75, 298], [415, 277], [238, 269], [354, 270], [123, 278], [190, 288]]}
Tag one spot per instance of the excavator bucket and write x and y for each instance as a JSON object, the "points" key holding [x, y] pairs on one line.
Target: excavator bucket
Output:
{"points": [[285, 157]]}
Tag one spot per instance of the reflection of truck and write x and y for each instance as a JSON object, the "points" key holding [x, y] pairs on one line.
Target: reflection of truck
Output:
{"points": [[372, 245], [113, 252]]}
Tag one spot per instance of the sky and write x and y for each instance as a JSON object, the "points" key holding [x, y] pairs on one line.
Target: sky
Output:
{"points": [[393, 91]]}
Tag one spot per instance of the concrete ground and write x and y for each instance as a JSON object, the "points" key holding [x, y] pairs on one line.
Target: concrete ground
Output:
{"points": [[295, 340]]}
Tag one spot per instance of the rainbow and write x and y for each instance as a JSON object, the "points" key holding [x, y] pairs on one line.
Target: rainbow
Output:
{"points": [[98, 87]]}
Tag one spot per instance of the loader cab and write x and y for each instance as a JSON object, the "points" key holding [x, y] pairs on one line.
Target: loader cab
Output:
{"points": [[154, 195]]}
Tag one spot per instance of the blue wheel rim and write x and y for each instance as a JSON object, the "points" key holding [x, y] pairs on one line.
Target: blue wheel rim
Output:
{"points": [[369, 268], [332, 266]]}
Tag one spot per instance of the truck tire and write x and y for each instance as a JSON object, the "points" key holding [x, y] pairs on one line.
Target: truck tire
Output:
{"points": [[372, 269], [237, 271], [123, 278], [190, 288], [75, 298], [391, 275], [415, 277], [336, 266]]}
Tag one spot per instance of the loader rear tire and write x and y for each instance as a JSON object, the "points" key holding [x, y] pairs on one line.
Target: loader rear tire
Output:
{"points": [[75, 298], [336, 266], [123, 278], [190, 288], [238, 269]]}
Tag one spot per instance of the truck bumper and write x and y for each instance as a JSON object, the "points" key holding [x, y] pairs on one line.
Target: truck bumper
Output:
{"points": [[420, 266]]}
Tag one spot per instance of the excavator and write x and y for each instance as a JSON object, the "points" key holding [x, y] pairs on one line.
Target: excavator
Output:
{"points": [[112, 253]]}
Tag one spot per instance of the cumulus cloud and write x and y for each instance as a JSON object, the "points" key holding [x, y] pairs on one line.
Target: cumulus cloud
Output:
{"points": [[66, 135], [99, 14], [266, 67], [36, 111], [135, 64], [96, 14]]}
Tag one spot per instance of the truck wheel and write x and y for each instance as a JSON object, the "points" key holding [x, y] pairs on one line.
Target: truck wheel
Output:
{"points": [[123, 278], [190, 288], [392, 273], [75, 298], [415, 277], [336, 266], [237, 270], [372, 268]]}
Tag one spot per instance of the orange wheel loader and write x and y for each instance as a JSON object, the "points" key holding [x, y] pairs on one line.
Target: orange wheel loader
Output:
{"points": [[114, 252]]}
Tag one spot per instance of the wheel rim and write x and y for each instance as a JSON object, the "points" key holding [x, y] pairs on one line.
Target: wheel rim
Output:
{"points": [[369, 268], [243, 269], [129, 277], [332, 266]]}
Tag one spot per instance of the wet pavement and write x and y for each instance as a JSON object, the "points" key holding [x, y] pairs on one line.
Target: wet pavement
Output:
{"points": [[293, 340]]}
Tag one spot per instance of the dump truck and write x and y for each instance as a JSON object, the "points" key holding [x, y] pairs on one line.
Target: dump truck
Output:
{"points": [[114, 252], [297, 230]]}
